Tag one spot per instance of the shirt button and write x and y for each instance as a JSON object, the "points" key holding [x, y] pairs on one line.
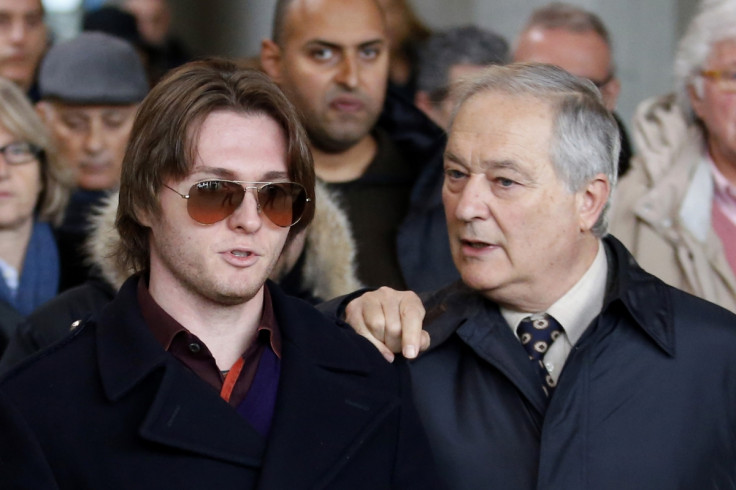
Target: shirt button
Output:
{"points": [[194, 348], [550, 367]]}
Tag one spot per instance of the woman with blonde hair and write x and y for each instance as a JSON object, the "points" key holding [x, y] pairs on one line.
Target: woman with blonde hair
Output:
{"points": [[34, 190]]}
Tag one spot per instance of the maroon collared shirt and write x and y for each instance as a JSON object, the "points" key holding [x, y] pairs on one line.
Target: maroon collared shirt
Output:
{"points": [[194, 354]]}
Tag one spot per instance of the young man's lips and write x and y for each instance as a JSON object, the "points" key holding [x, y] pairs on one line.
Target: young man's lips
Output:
{"points": [[347, 104], [240, 256]]}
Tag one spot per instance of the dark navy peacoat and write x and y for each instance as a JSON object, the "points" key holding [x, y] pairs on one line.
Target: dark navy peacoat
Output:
{"points": [[107, 407]]}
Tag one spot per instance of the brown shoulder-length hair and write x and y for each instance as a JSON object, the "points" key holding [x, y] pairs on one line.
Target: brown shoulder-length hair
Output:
{"points": [[164, 135], [19, 118]]}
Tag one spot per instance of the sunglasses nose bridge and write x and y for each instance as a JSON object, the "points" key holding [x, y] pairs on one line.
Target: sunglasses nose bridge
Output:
{"points": [[253, 188]]}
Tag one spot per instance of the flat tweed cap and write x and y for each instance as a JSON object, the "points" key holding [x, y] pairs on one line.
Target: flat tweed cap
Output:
{"points": [[93, 68]]}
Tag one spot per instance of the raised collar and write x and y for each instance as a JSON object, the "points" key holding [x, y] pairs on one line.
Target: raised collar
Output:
{"points": [[629, 288], [644, 297]]}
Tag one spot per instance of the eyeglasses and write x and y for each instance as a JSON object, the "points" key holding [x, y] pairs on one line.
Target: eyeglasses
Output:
{"points": [[20, 152], [726, 79], [210, 201]]}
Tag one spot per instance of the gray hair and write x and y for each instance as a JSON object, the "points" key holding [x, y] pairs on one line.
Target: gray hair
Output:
{"points": [[714, 22], [559, 15], [461, 45], [585, 136]]}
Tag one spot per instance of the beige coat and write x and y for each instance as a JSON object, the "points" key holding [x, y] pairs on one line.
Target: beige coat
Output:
{"points": [[662, 207]]}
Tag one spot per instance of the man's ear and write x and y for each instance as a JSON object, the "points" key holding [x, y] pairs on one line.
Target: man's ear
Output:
{"points": [[144, 217], [610, 92], [44, 110], [695, 94], [591, 201], [423, 102], [271, 59]]}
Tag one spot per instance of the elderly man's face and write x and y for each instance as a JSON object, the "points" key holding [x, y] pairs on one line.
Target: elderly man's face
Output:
{"points": [[91, 139], [584, 54], [22, 40], [716, 108], [334, 66], [516, 233]]}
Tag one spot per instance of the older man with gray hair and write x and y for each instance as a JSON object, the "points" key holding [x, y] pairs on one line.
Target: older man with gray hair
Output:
{"points": [[556, 362], [676, 212]]}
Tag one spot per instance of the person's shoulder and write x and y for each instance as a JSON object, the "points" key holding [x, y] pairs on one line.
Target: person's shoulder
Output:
{"points": [[706, 317], [43, 371], [325, 339]]}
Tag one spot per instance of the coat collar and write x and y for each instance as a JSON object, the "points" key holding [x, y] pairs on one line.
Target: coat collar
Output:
{"points": [[322, 411], [686, 186], [642, 295], [478, 321]]}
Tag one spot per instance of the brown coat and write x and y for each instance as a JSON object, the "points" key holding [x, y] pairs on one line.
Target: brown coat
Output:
{"points": [[662, 208]]}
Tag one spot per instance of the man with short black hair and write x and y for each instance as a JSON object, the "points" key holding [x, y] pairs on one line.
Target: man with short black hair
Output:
{"points": [[331, 58]]}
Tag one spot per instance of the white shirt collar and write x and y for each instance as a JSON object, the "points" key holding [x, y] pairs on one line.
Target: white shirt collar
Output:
{"points": [[579, 306]]}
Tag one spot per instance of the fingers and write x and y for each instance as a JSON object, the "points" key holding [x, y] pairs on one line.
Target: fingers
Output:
{"points": [[391, 320], [413, 338]]}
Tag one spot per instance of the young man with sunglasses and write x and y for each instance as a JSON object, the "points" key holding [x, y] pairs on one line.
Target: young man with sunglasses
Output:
{"points": [[200, 373]]}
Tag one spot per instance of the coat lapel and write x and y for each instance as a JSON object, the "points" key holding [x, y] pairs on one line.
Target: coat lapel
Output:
{"points": [[185, 413], [324, 411], [478, 322]]}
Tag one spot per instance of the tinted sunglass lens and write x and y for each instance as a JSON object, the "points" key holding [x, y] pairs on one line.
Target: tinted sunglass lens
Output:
{"points": [[283, 203], [214, 200], [275, 201]]}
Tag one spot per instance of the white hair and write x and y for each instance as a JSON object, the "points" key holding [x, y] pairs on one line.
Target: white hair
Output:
{"points": [[714, 22]]}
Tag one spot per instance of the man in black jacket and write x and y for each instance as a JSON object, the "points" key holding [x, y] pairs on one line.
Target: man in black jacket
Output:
{"points": [[373, 149], [556, 362], [199, 373]]}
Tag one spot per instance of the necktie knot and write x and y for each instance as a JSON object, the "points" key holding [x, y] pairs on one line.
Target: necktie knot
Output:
{"points": [[536, 334]]}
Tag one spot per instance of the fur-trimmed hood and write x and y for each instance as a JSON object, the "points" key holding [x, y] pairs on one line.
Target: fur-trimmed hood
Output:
{"points": [[329, 249], [329, 262], [102, 242]]}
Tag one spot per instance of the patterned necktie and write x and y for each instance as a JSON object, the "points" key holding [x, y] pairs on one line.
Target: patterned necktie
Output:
{"points": [[536, 335]]}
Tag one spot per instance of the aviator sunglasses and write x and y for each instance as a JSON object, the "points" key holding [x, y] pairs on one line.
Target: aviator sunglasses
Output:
{"points": [[210, 201]]}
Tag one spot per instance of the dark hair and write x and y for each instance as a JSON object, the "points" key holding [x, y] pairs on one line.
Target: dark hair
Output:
{"points": [[164, 134], [460, 45]]}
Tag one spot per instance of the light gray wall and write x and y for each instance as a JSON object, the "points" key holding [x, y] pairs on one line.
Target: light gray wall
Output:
{"points": [[644, 32]]}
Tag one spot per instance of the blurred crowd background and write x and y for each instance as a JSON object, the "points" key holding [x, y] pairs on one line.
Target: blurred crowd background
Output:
{"points": [[644, 33]]}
